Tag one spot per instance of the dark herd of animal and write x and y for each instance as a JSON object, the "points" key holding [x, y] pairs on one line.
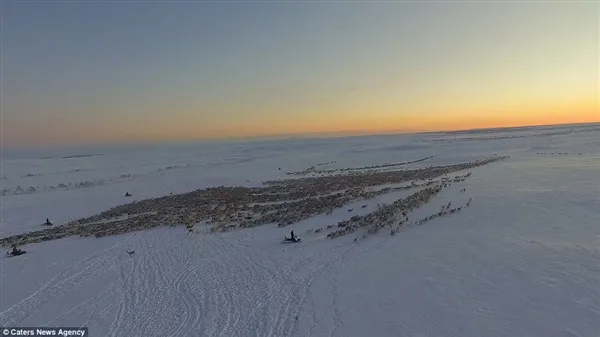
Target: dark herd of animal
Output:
{"points": [[281, 202]]}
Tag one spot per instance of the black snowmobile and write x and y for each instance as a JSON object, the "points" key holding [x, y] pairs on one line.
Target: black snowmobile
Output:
{"points": [[15, 252], [291, 239]]}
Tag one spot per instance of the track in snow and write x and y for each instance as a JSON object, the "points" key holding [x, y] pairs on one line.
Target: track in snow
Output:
{"points": [[181, 285]]}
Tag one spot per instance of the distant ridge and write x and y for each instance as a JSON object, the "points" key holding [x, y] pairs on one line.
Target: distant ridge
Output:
{"points": [[510, 128], [74, 156]]}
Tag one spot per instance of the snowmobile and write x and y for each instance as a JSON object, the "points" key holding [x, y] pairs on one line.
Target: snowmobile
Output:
{"points": [[15, 252], [291, 240]]}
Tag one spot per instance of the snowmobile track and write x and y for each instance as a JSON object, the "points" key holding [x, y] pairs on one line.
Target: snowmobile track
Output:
{"points": [[71, 276]]}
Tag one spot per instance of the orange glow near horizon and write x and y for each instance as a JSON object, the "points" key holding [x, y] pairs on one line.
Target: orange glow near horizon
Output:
{"points": [[358, 122], [431, 123]]}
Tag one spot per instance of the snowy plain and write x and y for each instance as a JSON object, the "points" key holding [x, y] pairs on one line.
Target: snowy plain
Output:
{"points": [[523, 260]]}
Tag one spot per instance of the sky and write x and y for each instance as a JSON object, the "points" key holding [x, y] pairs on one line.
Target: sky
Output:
{"points": [[83, 72]]}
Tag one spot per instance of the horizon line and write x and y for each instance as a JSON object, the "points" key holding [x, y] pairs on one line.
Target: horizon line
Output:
{"points": [[358, 133], [302, 135]]}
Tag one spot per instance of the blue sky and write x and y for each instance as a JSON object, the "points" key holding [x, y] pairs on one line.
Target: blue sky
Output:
{"points": [[125, 71]]}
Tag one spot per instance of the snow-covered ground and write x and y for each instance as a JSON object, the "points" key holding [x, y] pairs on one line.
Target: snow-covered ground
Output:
{"points": [[522, 260]]}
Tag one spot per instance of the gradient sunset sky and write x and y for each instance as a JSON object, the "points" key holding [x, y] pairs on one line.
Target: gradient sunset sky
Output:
{"points": [[108, 71]]}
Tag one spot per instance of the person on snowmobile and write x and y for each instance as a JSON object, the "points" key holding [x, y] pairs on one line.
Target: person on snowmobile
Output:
{"points": [[48, 223], [15, 250], [292, 235]]}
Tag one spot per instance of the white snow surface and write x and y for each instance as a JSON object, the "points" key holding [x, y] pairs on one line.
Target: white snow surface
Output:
{"points": [[522, 260]]}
